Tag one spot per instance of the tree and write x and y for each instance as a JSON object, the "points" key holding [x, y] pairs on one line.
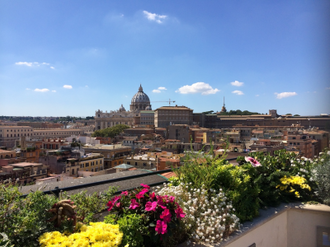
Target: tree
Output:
{"points": [[111, 131]]}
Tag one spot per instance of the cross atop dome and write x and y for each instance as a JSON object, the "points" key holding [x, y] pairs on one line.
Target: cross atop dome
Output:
{"points": [[140, 88]]}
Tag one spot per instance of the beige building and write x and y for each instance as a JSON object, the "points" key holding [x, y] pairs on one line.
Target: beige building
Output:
{"points": [[10, 134], [92, 162], [139, 102], [167, 115]]}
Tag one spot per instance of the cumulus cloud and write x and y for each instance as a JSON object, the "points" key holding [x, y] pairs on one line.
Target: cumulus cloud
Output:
{"points": [[67, 86], [159, 89], [285, 94], [198, 87], [237, 83], [238, 92], [43, 90], [34, 64], [154, 17]]}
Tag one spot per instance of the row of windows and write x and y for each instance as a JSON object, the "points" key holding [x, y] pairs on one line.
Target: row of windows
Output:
{"points": [[82, 165], [18, 130]]}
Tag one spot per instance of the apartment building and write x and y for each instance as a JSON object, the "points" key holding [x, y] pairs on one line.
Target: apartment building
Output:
{"points": [[92, 162], [168, 115]]}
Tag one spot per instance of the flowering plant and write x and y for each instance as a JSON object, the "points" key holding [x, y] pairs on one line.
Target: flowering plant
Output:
{"points": [[161, 214], [97, 234]]}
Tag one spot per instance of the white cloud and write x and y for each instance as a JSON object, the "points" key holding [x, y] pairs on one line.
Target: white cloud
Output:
{"points": [[43, 90], [285, 94], [238, 92], [198, 87], [237, 83], [67, 86], [154, 17], [159, 90], [54, 91], [34, 64]]}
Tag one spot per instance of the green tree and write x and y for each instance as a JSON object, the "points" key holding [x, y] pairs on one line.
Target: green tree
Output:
{"points": [[111, 131]]}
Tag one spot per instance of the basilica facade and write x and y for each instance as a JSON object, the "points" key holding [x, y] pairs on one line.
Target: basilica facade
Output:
{"points": [[139, 102]]}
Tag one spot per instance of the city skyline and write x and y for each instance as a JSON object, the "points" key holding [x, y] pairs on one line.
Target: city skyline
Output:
{"points": [[71, 59]]}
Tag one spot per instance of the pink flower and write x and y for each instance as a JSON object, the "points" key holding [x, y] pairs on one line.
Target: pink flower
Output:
{"points": [[125, 193], [152, 196], [141, 194], [166, 215], [172, 198], [118, 204], [134, 204], [179, 213], [160, 200], [253, 161], [151, 206], [145, 186], [161, 227], [110, 205]]}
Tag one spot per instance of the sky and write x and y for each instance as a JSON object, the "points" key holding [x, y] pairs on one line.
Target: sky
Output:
{"points": [[71, 58]]}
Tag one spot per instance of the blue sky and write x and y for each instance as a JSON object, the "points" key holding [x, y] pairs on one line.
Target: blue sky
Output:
{"points": [[62, 58]]}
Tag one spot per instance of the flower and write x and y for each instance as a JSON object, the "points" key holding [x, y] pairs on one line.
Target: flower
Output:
{"points": [[166, 215], [179, 213], [140, 195], [125, 193], [161, 227], [253, 161], [110, 205], [134, 204], [151, 206], [145, 186]]}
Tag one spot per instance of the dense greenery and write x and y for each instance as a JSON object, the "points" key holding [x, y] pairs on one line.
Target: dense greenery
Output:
{"points": [[111, 131], [238, 112]]}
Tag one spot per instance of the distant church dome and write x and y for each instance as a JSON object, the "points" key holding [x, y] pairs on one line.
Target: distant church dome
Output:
{"points": [[140, 101], [148, 108], [122, 108]]}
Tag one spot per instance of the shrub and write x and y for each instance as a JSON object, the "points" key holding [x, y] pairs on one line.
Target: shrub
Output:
{"points": [[209, 217], [23, 220], [96, 234], [321, 175], [160, 214]]}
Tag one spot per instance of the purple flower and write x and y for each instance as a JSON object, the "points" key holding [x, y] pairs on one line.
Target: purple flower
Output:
{"points": [[134, 204], [151, 206], [253, 161], [161, 227]]}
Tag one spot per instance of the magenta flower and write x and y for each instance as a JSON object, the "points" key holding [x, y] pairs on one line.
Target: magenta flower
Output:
{"points": [[179, 213], [125, 193], [253, 161], [152, 196], [161, 227], [116, 198], [172, 198], [151, 206], [118, 204], [145, 186], [110, 205], [141, 194], [160, 200], [134, 204], [166, 215]]}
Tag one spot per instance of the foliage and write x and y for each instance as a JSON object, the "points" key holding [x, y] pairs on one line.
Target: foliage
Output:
{"points": [[160, 214], [209, 217], [321, 175], [88, 206], [96, 234], [132, 227], [239, 112], [292, 183], [111, 131], [23, 220]]}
